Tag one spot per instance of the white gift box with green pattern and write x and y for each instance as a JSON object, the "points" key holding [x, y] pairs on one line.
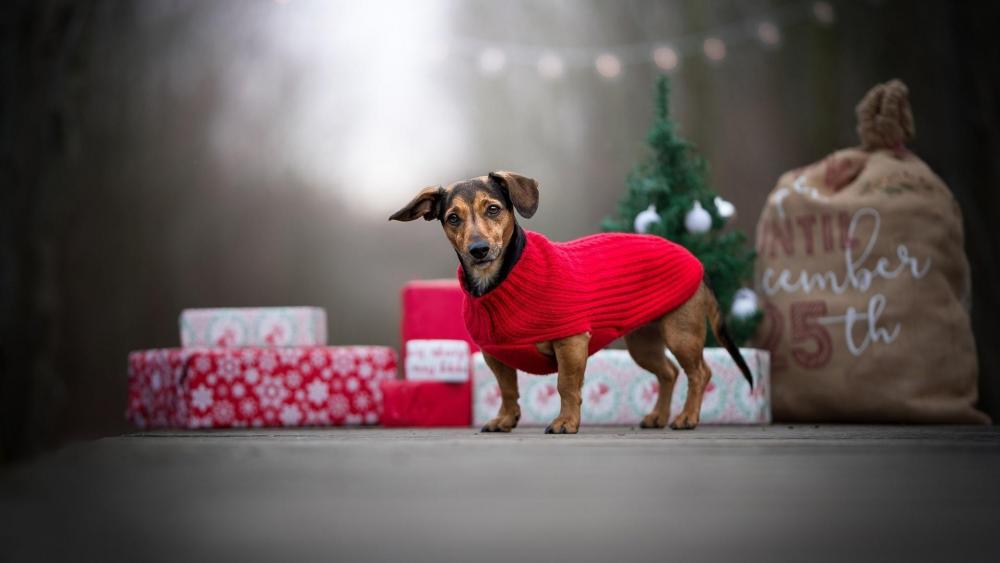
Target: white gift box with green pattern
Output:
{"points": [[253, 326], [616, 391]]}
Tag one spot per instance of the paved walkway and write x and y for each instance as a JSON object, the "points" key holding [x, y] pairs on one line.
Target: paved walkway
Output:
{"points": [[777, 493]]}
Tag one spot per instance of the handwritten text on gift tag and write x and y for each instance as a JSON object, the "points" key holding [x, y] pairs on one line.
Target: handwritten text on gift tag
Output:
{"points": [[437, 360]]}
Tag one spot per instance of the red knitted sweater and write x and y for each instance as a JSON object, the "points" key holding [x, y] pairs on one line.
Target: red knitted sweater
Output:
{"points": [[607, 284]]}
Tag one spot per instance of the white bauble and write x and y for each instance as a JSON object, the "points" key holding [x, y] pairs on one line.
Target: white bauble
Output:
{"points": [[646, 218], [697, 220], [726, 209], [744, 304]]}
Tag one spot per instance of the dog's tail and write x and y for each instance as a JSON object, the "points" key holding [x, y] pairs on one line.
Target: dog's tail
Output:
{"points": [[722, 335]]}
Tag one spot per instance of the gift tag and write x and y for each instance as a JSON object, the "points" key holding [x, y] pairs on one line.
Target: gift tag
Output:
{"points": [[437, 360]]}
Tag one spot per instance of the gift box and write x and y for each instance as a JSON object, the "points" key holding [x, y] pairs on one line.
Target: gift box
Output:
{"points": [[255, 387], [425, 403], [253, 326], [616, 391], [437, 360], [436, 391], [432, 310], [154, 383]]}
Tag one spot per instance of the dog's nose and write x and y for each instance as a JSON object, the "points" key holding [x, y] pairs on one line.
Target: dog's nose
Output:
{"points": [[479, 250]]}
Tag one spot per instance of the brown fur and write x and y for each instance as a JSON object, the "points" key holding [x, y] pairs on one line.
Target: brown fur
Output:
{"points": [[682, 330], [510, 411]]}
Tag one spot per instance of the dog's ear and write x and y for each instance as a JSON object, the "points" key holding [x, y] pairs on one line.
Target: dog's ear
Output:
{"points": [[523, 191], [427, 204]]}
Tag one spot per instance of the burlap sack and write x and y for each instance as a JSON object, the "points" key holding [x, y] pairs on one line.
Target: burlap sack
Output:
{"points": [[865, 283]]}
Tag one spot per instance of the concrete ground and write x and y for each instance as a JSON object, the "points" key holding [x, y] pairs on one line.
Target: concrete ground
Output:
{"points": [[776, 493]]}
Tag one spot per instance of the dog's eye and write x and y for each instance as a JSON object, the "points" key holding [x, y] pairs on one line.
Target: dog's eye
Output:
{"points": [[453, 219], [493, 210]]}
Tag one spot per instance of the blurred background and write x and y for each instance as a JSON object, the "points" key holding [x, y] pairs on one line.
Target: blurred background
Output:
{"points": [[159, 155]]}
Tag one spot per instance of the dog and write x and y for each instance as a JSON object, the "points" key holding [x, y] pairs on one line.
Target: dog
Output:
{"points": [[544, 307]]}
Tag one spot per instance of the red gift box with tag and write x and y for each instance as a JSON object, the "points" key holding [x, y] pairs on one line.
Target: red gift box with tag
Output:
{"points": [[432, 310], [258, 387]]}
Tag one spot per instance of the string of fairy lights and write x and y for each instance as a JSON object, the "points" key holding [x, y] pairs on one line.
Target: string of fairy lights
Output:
{"points": [[493, 58]]}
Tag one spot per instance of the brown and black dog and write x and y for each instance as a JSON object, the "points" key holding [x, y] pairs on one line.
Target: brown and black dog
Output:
{"points": [[478, 218]]}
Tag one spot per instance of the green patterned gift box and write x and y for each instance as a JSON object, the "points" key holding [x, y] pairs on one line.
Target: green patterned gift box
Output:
{"points": [[253, 326], [616, 391]]}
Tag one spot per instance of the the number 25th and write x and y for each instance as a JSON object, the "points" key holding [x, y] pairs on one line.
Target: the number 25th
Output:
{"points": [[810, 342]]}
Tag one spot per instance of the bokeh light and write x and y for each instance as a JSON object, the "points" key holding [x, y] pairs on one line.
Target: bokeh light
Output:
{"points": [[823, 12], [608, 66], [666, 58], [492, 61], [714, 49], [769, 34], [551, 66]]}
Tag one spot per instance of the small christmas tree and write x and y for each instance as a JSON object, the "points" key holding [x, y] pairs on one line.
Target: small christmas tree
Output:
{"points": [[666, 196]]}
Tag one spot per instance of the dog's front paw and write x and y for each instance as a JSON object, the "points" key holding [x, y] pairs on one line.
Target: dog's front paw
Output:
{"points": [[653, 420], [563, 425], [502, 423], [685, 421]]}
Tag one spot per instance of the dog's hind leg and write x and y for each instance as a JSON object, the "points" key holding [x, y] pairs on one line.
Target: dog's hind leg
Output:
{"points": [[510, 411], [646, 345], [685, 329]]}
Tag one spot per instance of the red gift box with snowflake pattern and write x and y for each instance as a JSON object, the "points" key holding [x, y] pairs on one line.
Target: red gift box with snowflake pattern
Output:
{"points": [[258, 387]]}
